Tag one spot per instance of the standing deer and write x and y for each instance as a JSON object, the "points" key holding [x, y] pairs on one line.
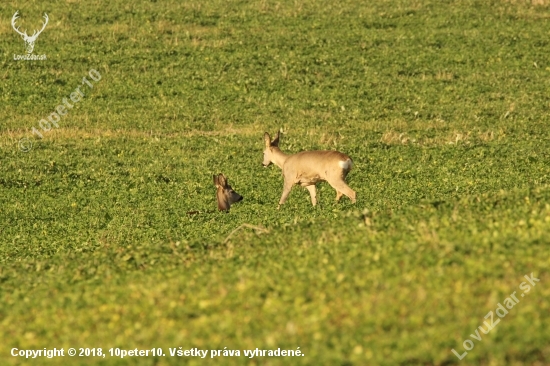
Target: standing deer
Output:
{"points": [[225, 195], [29, 41], [309, 167]]}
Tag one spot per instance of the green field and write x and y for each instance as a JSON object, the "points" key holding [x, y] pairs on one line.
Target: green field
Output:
{"points": [[443, 106]]}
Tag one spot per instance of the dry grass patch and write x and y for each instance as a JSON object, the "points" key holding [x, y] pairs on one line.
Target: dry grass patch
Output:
{"points": [[330, 139], [10, 138], [454, 137], [529, 2]]}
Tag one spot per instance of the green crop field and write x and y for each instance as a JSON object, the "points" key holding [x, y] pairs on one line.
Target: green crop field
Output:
{"points": [[443, 106]]}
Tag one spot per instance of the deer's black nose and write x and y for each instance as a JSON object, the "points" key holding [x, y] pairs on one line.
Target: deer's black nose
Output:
{"points": [[240, 198]]}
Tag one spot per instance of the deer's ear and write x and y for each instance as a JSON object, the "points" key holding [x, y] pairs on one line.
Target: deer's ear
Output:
{"points": [[222, 180], [267, 140], [276, 141]]}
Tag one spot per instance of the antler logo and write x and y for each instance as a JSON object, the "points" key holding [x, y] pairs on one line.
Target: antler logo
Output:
{"points": [[29, 41]]}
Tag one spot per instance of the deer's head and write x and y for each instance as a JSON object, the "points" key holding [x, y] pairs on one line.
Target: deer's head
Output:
{"points": [[269, 149], [225, 195]]}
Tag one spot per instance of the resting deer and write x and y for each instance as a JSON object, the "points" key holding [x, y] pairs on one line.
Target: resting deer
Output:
{"points": [[309, 167], [225, 195]]}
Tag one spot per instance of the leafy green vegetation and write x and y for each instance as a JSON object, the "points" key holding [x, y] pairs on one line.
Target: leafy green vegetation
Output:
{"points": [[442, 105]]}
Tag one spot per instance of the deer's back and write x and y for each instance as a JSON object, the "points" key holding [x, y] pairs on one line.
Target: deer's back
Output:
{"points": [[309, 167]]}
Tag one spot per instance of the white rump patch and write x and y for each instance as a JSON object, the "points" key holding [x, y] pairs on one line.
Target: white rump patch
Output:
{"points": [[346, 165]]}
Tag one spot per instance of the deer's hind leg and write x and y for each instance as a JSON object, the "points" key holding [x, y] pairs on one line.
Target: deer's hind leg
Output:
{"points": [[341, 187]]}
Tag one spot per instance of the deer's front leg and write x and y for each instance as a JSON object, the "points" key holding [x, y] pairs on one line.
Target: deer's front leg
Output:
{"points": [[286, 191], [313, 194]]}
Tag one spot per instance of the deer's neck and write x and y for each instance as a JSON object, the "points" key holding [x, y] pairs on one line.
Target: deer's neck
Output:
{"points": [[222, 202], [279, 157]]}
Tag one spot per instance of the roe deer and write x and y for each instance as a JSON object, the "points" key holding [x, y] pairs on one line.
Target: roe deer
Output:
{"points": [[309, 167], [225, 195]]}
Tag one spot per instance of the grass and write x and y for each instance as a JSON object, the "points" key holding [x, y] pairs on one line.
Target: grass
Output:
{"points": [[442, 105]]}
